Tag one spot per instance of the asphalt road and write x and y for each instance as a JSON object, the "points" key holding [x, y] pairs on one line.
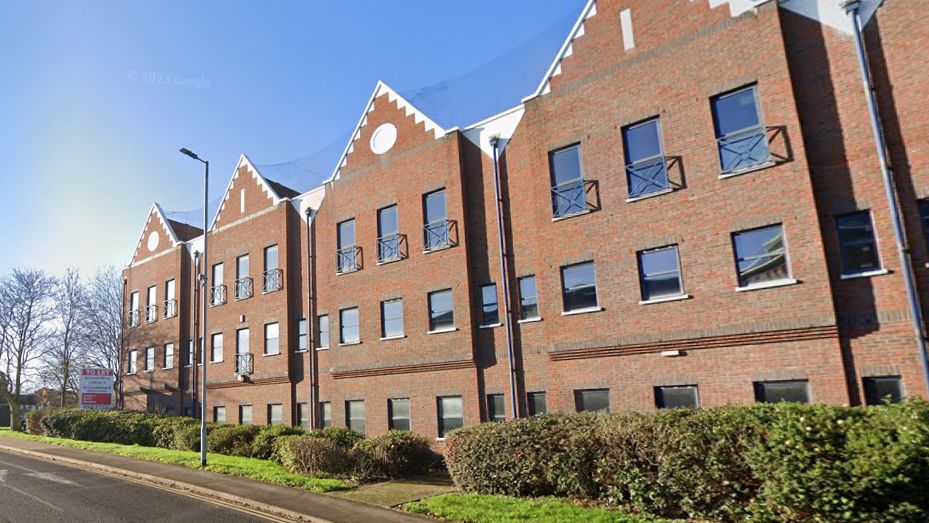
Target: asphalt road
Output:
{"points": [[36, 491]]}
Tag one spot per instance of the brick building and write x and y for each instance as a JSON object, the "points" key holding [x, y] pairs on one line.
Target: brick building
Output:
{"points": [[691, 213]]}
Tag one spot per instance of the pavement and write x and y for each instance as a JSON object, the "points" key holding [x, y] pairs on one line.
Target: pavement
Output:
{"points": [[246, 497]]}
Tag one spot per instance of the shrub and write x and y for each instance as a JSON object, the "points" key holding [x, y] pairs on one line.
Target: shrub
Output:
{"points": [[34, 421], [263, 444], [397, 454], [341, 436], [313, 455], [232, 440], [165, 433]]}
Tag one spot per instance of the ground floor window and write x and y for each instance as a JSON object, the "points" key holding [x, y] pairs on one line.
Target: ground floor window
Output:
{"points": [[797, 391], [219, 414], [592, 400], [245, 414], [355, 415], [496, 408], [883, 389], [302, 415], [536, 403], [680, 396], [398, 412], [451, 414], [275, 414], [325, 414]]}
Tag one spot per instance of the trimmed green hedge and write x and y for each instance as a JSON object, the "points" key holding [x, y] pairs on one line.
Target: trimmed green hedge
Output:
{"points": [[781, 463]]}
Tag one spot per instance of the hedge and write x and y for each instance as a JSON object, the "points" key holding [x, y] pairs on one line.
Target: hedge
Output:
{"points": [[784, 463]]}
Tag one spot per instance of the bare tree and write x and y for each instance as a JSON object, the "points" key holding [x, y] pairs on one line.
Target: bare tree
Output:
{"points": [[62, 360], [25, 299], [106, 333]]}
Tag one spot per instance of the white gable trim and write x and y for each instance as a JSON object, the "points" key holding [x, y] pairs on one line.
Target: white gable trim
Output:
{"points": [[156, 210], [265, 186], [392, 96], [501, 125], [567, 49]]}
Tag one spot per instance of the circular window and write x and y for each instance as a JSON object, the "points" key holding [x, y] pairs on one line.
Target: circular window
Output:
{"points": [[384, 138], [153, 239]]}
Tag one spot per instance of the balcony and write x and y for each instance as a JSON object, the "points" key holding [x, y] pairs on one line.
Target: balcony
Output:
{"points": [[134, 318], [439, 235], [217, 295], [744, 150], [244, 288], [170, 309], [244, 364], [575, 197], [273, 280], [391, 248], [348, 259], [151, 314]]}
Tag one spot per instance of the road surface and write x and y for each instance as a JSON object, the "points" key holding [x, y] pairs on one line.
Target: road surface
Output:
{"points": [[36, 491]]}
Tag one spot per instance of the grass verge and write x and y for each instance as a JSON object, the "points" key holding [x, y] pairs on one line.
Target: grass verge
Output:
{"points": [[258, 469], [474, 508]]}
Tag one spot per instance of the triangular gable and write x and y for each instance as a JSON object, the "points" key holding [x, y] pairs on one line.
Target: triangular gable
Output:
{"points": [[567, 49], [229, 198], [164, 235], [382, 89]]}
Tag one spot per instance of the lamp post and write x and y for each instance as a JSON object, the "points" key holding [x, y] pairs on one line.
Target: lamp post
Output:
{"points": [[202, 276]]}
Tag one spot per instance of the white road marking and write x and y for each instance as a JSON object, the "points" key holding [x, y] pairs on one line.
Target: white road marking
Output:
{"points": [[3, 474], [48, 476], [28, 495]]}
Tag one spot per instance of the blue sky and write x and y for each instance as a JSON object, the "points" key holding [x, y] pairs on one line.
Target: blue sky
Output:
{"points": [[96, 98]]}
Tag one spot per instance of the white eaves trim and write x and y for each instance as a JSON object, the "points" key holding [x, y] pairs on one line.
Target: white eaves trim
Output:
{"points": [[501, 125], [567, 49], [380, 89], [155, 210], [265, 186], [309, 201]]}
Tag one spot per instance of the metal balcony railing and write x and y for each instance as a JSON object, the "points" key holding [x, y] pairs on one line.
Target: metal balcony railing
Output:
{"points": [[572, 197], [437, 235], [170, 310], [390, 248], [134, 318], [244, 364], [348, 259], [273, 280], [244, 288], [151, 314], [217, 295], [647, 176], [743, 150]]}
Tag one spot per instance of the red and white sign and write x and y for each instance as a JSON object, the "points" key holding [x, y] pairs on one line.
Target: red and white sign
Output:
{"points": [[97, 389]]}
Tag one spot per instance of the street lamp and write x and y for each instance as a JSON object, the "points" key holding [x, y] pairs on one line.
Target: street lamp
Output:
{"points": [[202, 276]]}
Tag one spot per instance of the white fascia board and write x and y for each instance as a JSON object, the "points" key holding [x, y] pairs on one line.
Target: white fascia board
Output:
{"points": [[501, 125], [566, 49], [310, 200], [266, 187], [156, 210]]}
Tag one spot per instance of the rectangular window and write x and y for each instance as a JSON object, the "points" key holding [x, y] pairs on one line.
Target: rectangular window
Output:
{"points": [[924, 218], [133, 362], [490, 313], [323, 331], [190, 352], [243, 282], [857, 246], [216, 347], [684, 396], [569, 195], [303, 412], [741, 138], [392, 318], [761, 256], [346, 245], [441, 311], [355, 415], [218, 292], [151, 309], [388, 241], [272, 275], [168, 362], [219, 414], [325, 411], [592, 400], [245, 414], [883, 389], [134, 309], [646, 170], [579, 287], [435, 221], [170, 310], [301, 335], [660, 273], [537, 403], [496, 408], [528, 299], [348, 326], [451, 414], [150, 358], [272, 339], [398, 412], [275, 414], [797, 391], [242, 351]]}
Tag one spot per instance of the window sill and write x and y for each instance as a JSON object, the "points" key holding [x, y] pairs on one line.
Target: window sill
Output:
{"points": [[677, 297], [271, 291], [267, 355], [582, 311], [768, 285], [148, 371], [866, 274], [216, 361], [322, 348], [350, 343], [130, 374], [167, 368], [440, 439], [441, 331], [300, 351], [569, 216], [242, 299], [342, 273], [740, 172], [530, 320], [388, 338], [437, 249], [649, 195], [491, 326], [388, 262]]}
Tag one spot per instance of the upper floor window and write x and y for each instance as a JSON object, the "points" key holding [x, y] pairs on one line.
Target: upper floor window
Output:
{"points": [[660, 273], [218, 291], [216, 347], [569, 192], [646, 169], [797, 391], [273, 276], [243, 282], [301, 335], [435, 221], [761, 256], [392, 318], [170, 305], [348, 326], [243, 355], [347, 259], [441, 311], [528, 299], [272, 339], [398, 413], [323, 320], [150, 358], [741, 136], [579, 287], [883, 389], [388, 239], [490, 314], [857, 247], [189, 358], [676, 397], [133, 365], [924, 217], [151, 307], [134, 309]]}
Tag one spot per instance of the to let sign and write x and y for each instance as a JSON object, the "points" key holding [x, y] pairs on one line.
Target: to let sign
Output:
{"points": [[97, 389]]}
